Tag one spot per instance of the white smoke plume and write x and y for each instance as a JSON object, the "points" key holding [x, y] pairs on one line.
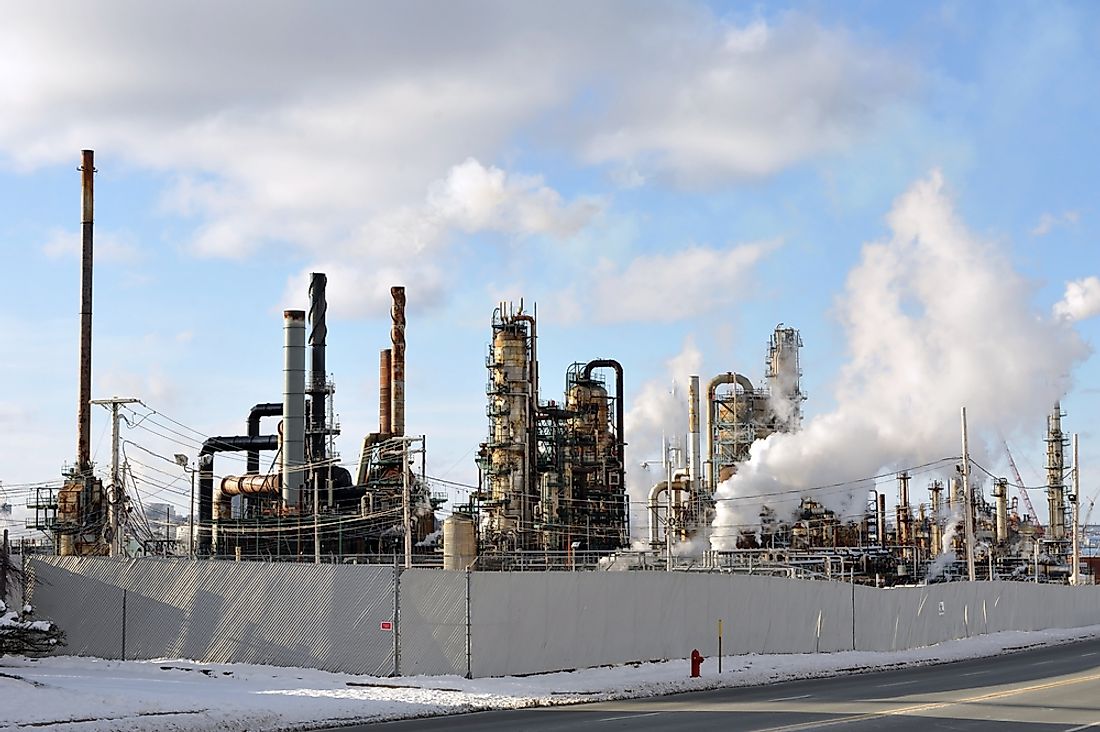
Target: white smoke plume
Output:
{"points": [[935, 318], [659, 410]]}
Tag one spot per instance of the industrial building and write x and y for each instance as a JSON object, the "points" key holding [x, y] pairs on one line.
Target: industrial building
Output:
{"points": [[552, 488], [552, 473]]}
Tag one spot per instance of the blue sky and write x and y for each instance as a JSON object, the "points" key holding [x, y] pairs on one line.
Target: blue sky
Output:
{"points": [[663, 180]]}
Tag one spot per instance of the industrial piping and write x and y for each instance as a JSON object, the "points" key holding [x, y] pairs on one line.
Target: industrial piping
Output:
{"points": [[693, 430], [620, 441], [729, 377], [263, 409], [206, 476], [294, 406]]}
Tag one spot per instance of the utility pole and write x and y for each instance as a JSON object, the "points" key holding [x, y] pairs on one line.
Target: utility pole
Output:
{"points": [[406, 510], [968, 502], [114, 499], [1075, 571]]}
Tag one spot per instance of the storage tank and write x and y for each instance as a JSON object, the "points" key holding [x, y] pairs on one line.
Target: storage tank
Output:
{"points": [[459, 542]]}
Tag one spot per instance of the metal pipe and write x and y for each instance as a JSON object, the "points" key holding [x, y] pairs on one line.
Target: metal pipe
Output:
{"points": [[968, 500], [880, 515], [318, 383], [729, 377], [397, 382], [385, 373], [83, 410], [258, 411], [693, 429], [1075, 570], [620, 409], [206, 476], [1000, 494], [294, 406]]}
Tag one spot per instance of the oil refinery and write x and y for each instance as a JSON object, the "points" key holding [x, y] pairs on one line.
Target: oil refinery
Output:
{"points": [[553, 491]]}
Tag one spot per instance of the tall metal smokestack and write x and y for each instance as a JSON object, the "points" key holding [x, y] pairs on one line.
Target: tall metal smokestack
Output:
{"points": [[294, 405], [84, 407], [693, 429], [385, 374], [397, 382], [318, 388]]}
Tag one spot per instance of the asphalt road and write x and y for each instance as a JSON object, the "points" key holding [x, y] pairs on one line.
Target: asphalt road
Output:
{"points": [[1054, 688]]}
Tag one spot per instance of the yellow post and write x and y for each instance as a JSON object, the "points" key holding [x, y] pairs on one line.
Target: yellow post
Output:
{"points": [[719, 645]]}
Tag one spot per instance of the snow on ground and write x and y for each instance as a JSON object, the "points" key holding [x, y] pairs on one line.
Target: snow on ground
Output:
{"points": [[71, 694]]}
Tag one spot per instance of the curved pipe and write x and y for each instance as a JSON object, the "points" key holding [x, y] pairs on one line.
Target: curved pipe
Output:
{"points": [[654, 504], [674, 500], [620, 436], [263, 409], [206, 475], [730, 377]]}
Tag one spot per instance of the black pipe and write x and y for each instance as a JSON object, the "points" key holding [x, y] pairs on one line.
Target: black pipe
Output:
{"points": [[318, 390], [206, 475], [263, 409], [620, 418]]}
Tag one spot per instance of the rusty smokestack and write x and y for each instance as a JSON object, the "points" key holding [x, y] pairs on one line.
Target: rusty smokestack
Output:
{"points": [[84, 407], [397, 367], [385, 373]]}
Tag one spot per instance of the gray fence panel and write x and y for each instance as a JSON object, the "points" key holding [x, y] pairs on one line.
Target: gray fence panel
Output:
{"points": [[321, 616], [433, 622]]}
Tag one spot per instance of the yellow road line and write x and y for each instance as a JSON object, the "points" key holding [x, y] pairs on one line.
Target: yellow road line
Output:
{"points": [[931, 705]]}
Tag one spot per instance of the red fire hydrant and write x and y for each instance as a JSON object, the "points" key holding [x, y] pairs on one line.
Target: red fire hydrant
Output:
{"points": [[696, 662]]}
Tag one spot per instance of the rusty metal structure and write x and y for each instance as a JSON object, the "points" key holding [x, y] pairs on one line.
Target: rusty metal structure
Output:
{"points": [[553, 472], [81, 512], [306, 505]]}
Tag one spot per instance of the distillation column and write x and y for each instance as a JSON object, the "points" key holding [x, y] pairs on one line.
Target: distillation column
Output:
{"points": [[1056, 503]]}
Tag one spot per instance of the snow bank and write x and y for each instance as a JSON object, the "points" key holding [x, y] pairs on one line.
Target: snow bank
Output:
{"points": [[66, 693]]}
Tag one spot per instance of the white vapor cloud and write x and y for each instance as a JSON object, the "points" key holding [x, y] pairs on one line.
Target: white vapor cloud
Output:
{"points": [[935, 319], [1048, 222], [664, 287], [659, 409], [1081, 299]]}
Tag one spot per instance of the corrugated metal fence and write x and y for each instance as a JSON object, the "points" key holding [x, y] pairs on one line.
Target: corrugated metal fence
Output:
{"points": [[491, 624]]}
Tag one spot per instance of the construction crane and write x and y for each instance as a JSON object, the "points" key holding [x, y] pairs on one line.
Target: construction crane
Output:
{"points": [[1020, 487]]}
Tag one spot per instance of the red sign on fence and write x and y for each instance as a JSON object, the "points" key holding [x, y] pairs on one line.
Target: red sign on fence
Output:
{"points": [[386, 625]]}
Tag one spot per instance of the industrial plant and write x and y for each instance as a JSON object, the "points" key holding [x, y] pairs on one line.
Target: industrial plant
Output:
{"points": [[553, 491]]}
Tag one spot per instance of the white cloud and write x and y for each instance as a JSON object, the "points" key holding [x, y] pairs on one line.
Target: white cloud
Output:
{"points": [[1048, 222], [664, 287], [303, 127], [659, 409], [1081, 300], [408, 245], [749, 101]]}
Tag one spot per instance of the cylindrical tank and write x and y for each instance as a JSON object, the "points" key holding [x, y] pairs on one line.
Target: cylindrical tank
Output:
{"points": [[235, 485], [1000, 493], [294, 406], [385, 374], [510, 419], [459, 542]]}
